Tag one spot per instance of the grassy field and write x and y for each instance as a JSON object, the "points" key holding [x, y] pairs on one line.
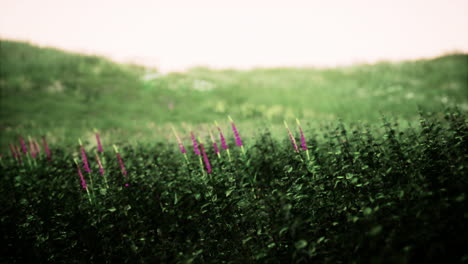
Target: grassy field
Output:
{"points": [[64, 96], [379, 175]]}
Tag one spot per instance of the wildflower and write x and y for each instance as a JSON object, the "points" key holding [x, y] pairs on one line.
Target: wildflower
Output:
{"points": [[84, 158], [101, 169], [18, 154], [98, 140], [195, 144], [224, 145], [179, 141], [221, 137], [13, 151], [36, 146], [46, 148], [23, 145], [205, 159], [215, 145], [303, 140], [236, 133], [121, 163], [32, 148], [82, 179], [291, 137]]}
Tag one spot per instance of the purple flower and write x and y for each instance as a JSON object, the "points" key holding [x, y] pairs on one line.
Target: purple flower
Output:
{"points": [[13, 151], [122, 166], [32, 149], [101, 169], [205, 158], [46, 148], [303, 140], [236, 133], [85, 159], [36, 146], [223, 140], [181, 145], [82, 179], [23, 145], [99, 146], [195, 144], [215, 145], [291, 137]]}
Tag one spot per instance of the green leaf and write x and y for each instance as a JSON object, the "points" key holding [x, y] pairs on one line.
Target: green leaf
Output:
{"points": [[367, 211], [375, 230], [300, 244], [111, 209], [228, 192]]}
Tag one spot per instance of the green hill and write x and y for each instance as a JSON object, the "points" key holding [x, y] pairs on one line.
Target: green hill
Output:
{"points": [[65, 95]]}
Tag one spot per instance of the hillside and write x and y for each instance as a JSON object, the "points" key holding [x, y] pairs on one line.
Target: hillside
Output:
{"points": [[49, 91]]}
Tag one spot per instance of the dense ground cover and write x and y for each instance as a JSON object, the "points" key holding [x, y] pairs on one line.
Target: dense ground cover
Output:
{"points": [[369, 193]]}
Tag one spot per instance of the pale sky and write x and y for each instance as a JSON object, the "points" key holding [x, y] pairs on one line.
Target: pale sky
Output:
{"points": [[174, 35]]}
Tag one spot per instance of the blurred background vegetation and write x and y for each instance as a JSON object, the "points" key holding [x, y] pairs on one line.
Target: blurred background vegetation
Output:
{"points": [[46, 91]]}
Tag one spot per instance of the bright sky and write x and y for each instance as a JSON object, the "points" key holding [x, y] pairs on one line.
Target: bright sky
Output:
{"points": [[177, 34]]}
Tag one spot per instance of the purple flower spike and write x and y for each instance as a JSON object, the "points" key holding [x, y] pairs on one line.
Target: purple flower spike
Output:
{"points": [[223, 140], [303, 140], [85, 159], [101, 169], [216, 149], [23, 145], [195, 144], [32, 149], [82, 179], [236, 133], [13, 152], [46, 148], [205, 158], [291, 137], [99, 145], [215, 145], [181, 145], [121, 163]]}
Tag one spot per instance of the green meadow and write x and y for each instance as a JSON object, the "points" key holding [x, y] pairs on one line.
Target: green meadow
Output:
{"points": [[375, 171], [46, 91]]}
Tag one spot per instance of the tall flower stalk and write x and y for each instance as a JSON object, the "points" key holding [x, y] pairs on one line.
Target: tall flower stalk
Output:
{"points": [[32, 148], [224, 145], [303, 140], [23, 145], [24, 149], [121, 164], [101, 169], [196, 149], [195, 144], [82, 180], [84, 157], [98, 141], [181, 145], [14, 153], [205, 158], [236, 135], [36, 146], [215, 145], [291, 138], [46, 148], [18, 154]]}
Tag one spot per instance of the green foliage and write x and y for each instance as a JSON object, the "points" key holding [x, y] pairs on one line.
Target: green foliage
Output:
{"points": [[368, 194]]}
